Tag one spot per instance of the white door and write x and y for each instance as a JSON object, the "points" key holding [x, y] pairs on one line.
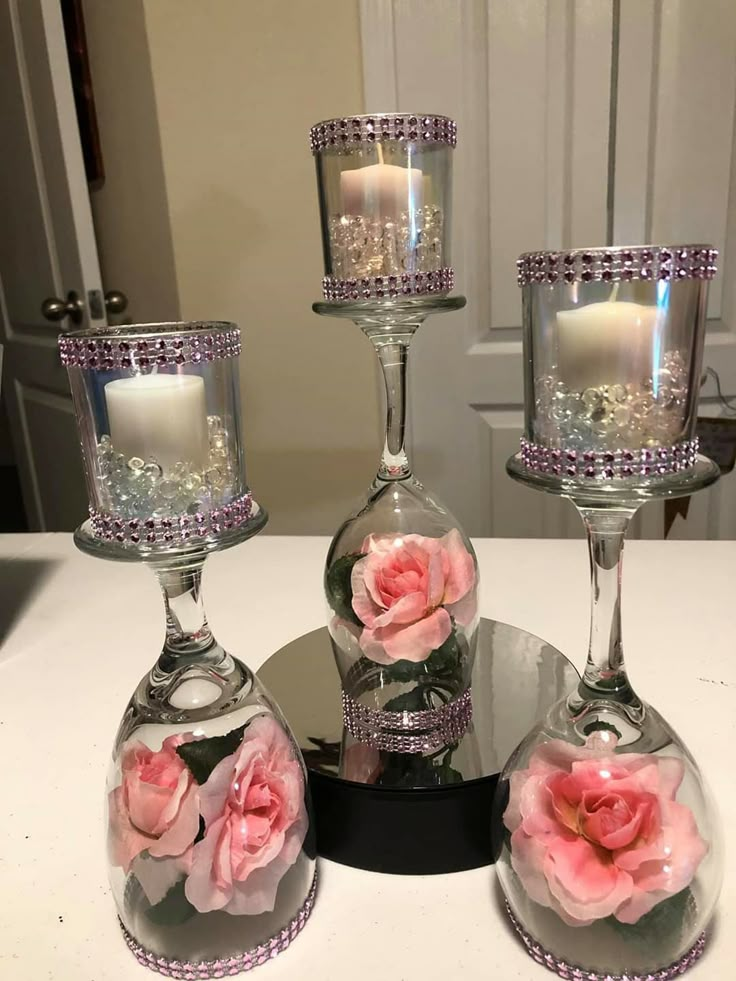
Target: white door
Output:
{"points": [[579, 123], [47, 250]]}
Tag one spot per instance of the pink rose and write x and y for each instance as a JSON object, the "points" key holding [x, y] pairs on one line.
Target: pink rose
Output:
{"points": [[405, 591], [255, 820], [596, 834], [156, 807]]}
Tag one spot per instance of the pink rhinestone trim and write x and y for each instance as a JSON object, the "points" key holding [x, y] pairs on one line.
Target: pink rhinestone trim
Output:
{"points": [[646, 262], [571, 972], [171, 531], [408, 732], [342, 132], [225, 966], [99, 354], [609, 464], [380, 287]]}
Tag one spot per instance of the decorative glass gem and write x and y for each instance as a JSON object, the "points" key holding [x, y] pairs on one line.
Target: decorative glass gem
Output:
{"points": [[340, 289], [608, 463], [437, 129], [611, 265]]}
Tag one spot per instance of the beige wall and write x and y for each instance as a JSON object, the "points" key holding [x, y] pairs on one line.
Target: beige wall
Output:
{"points": [[130, 211], [235, 86], [238, 83]]}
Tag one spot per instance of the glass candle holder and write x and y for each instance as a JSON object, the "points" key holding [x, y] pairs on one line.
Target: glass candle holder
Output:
{"points": [[401, 584], [610, 851], [159, 413], [209, 837], [613, 341], [385, 204]]}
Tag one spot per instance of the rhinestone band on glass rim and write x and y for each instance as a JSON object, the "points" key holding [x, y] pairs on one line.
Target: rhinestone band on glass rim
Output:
{"points": [[173, 530], [571, 972], [609, 464], [102, 354], [380, 287], [647, 262], [408, 732], [225, 966], [347, 130]]}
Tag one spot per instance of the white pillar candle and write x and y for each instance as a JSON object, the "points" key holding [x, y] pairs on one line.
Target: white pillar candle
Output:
{"points": [[381, 190], [159, 415], [605, 344]]}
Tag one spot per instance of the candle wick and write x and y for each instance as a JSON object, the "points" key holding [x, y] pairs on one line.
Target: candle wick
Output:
{"points": [[379, 148], [614, 292]]}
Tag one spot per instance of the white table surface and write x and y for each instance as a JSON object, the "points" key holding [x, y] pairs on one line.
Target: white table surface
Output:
{"points": [[76, 634]]}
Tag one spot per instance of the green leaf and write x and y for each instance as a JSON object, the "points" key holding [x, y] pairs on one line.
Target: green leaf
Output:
{"points": [[665, 919], [203, 755], [600, 726], [448, 774], [444, 661], [415, 770], [173, 909], [403, 671], [339, 588], [202, 829], [409, 701]]}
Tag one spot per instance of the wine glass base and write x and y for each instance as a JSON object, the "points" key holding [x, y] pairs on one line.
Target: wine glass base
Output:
{"points": [[638, 727], [173, 555], [618, 492], [574, 972], [405, 308]]}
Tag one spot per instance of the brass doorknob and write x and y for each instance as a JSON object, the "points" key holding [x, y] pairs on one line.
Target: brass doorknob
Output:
{"points": [[115, 301], [55, 309]]}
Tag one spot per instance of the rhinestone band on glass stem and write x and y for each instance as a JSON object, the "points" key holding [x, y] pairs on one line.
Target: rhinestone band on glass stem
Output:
{"points": [[614, 265], [609, 464], [379, 287], [408, 732], [225, 966], [571, 972], [171, 531], [106, 355], [347, 130]]}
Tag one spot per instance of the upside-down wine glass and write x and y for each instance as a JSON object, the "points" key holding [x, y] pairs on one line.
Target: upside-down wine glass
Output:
{"points": [[610, 850], [401, 577], [210, 852]]}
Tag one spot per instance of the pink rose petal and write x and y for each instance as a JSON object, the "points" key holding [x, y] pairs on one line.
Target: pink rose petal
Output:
{"points": [[156, 807], [255, 818], [158, 875], [405, 590], [413, 642], [597, 834]]}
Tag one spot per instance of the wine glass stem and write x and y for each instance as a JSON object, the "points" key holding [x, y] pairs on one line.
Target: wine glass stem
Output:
{"points": [[605, 672], [393, 355], [188, 636]]}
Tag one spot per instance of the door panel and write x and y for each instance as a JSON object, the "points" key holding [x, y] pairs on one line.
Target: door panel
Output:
{"points": [[47, 249], [51, 432], [27, 250], [551, 156]]}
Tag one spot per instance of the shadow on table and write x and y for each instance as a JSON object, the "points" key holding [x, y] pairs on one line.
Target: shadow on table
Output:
{"points": [[20, 581]]}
